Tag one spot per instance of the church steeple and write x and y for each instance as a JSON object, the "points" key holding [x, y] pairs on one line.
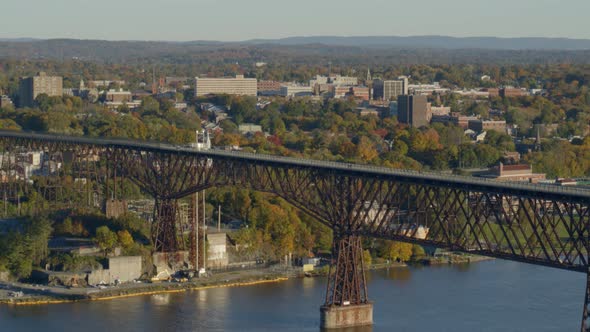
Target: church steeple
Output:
{"points": [[368, 75]]}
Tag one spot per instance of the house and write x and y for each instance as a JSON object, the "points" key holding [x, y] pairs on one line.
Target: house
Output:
{"points": [[249, 128]]}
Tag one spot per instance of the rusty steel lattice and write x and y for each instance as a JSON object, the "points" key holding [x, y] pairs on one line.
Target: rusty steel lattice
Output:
{"points": [[167, 178], [535, 224], [586, 311], [346, 281]]}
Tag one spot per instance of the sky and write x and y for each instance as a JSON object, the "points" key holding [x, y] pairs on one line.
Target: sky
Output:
{"points": [[236, 20]]}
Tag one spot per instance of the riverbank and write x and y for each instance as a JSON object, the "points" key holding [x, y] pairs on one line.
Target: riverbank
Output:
{"points": [[30, 294], [454, 258], [40, 295]]}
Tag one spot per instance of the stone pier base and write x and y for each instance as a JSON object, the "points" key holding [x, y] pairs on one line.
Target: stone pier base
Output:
{"points": [[334, 317]]}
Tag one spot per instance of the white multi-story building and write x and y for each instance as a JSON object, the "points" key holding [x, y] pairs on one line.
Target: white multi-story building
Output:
{"points": [[426, 89], [318, 80], [335, 80], [226, 85], [343, 80]]}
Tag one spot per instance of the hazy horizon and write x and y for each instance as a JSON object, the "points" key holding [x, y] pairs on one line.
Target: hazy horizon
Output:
{"points": [[233, 20], [26, 38]]}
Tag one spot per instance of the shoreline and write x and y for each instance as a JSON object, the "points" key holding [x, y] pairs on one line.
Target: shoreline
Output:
{"points": [[190, 289], [223, 280], [169, 288]]}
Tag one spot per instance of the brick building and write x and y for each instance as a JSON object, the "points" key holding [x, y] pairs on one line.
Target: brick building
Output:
{"points": [[485, 125], [512, 92], [514, 173]]}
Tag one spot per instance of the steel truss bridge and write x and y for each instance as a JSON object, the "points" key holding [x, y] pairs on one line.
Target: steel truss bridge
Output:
{"points": [[537, 224]]}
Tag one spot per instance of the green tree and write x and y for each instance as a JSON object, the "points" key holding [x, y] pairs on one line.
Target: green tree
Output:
{"points": [[397, 251], [105, 239]]}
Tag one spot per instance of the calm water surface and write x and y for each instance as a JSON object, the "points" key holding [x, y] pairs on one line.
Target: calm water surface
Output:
{"points": [[488, 296]]}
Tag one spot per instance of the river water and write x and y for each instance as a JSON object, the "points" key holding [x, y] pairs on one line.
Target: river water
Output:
{"points": [[487, 296]]}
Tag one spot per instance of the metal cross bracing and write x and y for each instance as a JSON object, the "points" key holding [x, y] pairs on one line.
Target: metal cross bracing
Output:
{"points": [[167, 178], [538, 224]]}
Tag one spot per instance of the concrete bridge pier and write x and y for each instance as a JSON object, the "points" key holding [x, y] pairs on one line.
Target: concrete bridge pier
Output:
{"points": [[347, 304]]}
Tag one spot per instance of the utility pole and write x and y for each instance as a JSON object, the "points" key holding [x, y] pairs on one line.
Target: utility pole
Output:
{"points": [[196, 226], [219, 217], [204, 235]]}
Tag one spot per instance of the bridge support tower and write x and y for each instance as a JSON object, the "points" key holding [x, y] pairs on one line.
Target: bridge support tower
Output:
{"points": [[346, 303], [586, 311]]}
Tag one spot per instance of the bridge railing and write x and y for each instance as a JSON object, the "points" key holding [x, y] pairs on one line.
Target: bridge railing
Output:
{"points": [[549, 188], [423, 175]]}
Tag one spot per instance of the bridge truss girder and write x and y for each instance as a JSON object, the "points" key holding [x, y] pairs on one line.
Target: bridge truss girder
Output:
{"points": [[538, 228]]}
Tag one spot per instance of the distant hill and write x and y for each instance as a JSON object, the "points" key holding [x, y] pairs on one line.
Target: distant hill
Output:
{"points": [[367, 50], [444, 42]]}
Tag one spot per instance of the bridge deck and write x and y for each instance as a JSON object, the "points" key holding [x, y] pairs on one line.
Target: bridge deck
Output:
{"points": [[574, 194]]}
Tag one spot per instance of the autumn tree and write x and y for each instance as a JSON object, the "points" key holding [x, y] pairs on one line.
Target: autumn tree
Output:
{"points": [[105, 239]]}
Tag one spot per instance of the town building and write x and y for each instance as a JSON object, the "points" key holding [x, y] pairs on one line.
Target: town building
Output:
{"points": [[343, 80], [440, 110], [360, 92], [175, 80], [268, 88], [514, 173], [322, 84], [340, 91], [140, 94], [249, 128], [426, 89], [368, 111], [454, 118], [512, 157], [115, 98], [492, 92], [295, 90], [512, 92], [485, 125], [83, 92], [105, 83], [413, 110], [390, 89], [118, 96], [31, 87], [473, 93], [226, 85], [319, 80], [5, 102]]}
